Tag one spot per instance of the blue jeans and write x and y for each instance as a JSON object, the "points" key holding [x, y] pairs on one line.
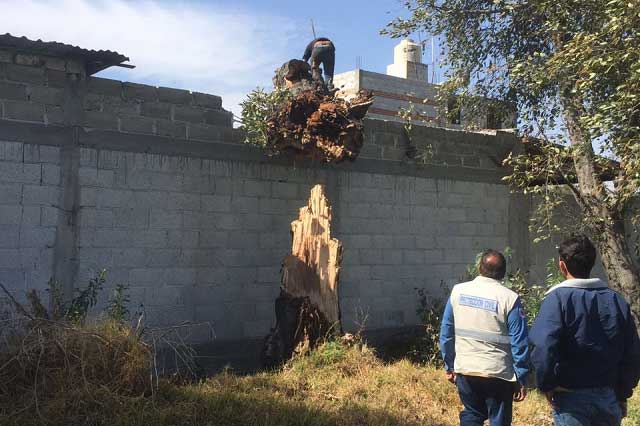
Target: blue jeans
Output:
{"points": [[485, 398], [587, 407]]}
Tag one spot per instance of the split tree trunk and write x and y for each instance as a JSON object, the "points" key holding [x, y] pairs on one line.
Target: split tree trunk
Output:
{"points": [[609, 233], [308, 309]]}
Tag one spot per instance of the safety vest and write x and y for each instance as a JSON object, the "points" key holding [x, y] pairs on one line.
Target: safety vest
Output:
{"points": [[480, 311]]}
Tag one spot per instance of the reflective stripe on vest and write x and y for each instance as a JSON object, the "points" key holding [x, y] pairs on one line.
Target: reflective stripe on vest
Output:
{"points": [[483, 336]]}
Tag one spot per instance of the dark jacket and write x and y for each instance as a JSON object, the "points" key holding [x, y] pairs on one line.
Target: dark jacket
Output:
{"points": [[309, 49], [585, 337]]}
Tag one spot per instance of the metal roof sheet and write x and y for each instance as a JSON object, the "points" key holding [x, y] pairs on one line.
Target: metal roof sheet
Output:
{"points": [[95, 60]]}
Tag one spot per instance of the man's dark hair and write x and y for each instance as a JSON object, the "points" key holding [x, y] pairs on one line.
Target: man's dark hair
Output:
{"points": [[493, 265], [579, 254]]}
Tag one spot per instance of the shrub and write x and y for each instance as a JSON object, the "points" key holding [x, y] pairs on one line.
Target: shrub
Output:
{"points": [[257, 108]]}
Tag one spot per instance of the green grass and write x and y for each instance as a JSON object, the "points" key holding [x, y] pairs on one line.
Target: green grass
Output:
{"points": [[335, 385]]}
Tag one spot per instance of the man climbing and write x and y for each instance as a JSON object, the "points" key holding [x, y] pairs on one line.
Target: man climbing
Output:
{"points": [[484, 345], [321, 51]]}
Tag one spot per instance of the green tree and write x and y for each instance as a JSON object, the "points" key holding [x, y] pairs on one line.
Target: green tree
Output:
{"points": [[572, 70]]}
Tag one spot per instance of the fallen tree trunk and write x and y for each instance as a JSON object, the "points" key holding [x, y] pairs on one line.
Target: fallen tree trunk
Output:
{"points": [[314, 122], [307, 309]]}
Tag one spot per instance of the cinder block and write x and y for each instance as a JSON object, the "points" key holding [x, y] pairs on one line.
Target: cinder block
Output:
{"points": [[10, 193], [244, 204], [156, 110], [112, 238], [165, 219], [136, 217], [228, 222], [257, 188], [54, 115], [139, 91], [413, 257], [96, 218], [174, 96], [24, 111], [258, 328], [147, 199], [120, 107], [13, 92], [38, 194], [243, 240], [182, 201], [183, 238], [54, 63], [100, 120], [6, 56], [206, 100], [50, 174], [74, 66], [171, 129], [163, 257], [391, 257], [188, 114], [136, 125], [284, 190], [147, 276], [203, 132], [113, 198], [37, 236], [216, 203], [12, 152], [218, 118], [10, 236], [10, 258], [48, 216], [93, 102], [10, 214], [104, 86], [25, 74], [46, 95]]}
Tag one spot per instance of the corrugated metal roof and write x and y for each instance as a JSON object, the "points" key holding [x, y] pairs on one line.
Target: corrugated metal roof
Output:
{"points": [[95, 60]]}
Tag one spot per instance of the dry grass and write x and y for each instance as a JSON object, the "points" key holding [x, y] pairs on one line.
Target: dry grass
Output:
{"points": [[334, 385]]}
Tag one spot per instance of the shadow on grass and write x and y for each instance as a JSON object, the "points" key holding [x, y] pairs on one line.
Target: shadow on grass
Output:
{"points": [[201, 405]]}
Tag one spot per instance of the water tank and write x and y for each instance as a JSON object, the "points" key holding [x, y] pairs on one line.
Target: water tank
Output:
{"points": [[407, 51]]}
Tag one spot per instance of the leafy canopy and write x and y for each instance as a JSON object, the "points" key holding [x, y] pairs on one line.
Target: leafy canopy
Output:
{"points": [[543, 56]]}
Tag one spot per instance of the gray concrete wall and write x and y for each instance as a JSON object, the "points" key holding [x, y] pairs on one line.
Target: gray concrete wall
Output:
{"points": [[153, 185]]}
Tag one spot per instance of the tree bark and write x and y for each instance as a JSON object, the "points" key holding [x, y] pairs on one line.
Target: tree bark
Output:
{"points": [[607, 224]]}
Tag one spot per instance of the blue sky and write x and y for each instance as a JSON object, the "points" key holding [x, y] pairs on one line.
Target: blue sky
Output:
{"points": [[220, 47]]}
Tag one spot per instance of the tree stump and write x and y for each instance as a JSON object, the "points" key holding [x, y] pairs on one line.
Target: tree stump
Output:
{"points": [[307, 309]]}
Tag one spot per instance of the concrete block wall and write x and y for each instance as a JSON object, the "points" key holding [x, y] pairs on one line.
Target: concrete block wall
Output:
{"points": [[202, 240], [39, 89], [29, 195], [151, 184]]}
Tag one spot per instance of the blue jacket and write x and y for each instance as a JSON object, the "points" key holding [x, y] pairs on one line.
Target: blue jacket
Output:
{"points": [[517, 325], [585, 337]]}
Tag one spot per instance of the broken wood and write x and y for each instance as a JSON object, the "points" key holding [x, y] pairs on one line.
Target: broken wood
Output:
{"points": [[307, 309], [315, 123]]}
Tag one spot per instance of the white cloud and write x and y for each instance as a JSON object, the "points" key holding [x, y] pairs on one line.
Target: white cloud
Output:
{"points": [[177, 44]]}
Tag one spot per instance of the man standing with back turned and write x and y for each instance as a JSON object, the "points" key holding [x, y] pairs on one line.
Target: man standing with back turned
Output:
{"points": [[586, 348], [321, 51], [484, 345]]}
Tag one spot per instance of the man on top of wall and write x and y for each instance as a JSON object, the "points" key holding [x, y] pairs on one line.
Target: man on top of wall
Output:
{"points": [[586, 350], [484, 345], [321, 51]]}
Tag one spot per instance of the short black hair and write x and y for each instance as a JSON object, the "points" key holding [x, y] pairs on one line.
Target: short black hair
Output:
{"points": [[493, 264], [579, 254]]}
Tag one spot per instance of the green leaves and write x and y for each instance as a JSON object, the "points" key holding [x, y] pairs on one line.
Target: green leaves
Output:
{"points": [[257, 108]]}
